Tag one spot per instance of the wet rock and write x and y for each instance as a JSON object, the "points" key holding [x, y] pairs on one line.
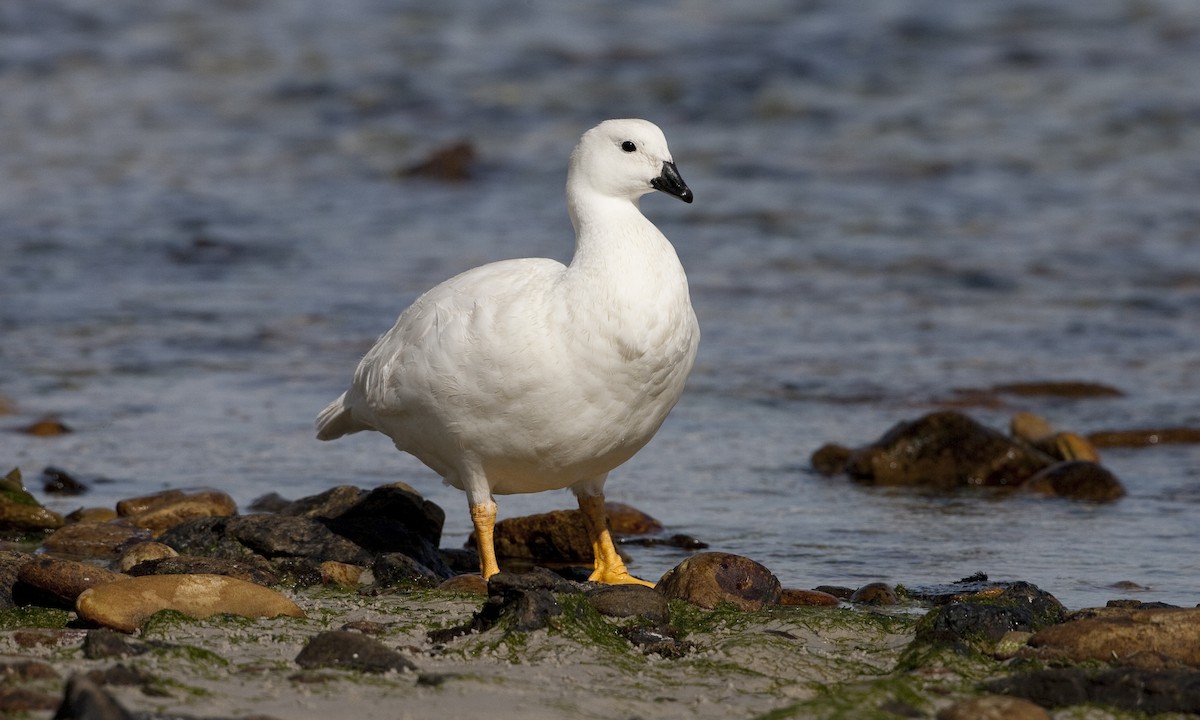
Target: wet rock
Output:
{"points": [[522, 610], [831, 459], [471, 584], [83, 699], [451, 163], [276, 536], [627, 520], [808, 598], [1036, 431], [876, 593], [60, 582], [393, 569], [341, 574], [712, 578], [661, 640], [328, 504], [994, 707], [985, 619], [299, 572], [125, 605], [142, 552], [1145, 437], [56, 481], [91, 515], [1010, 644], [272, 502], [537, 578], [395, 519], [104, 644], [1134, 689], [20, 512], [677, 540], [945, 450], [349, 650], [559, 536], [630, 601], [163, 511], [45, 427], [16, 697], [838, 591], [94, 540], [11, 562], [208, 537], [461, 560], [1077, 480], [257, 573], [1139, 637]]}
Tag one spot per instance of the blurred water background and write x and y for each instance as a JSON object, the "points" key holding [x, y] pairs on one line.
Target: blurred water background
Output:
{"points": [[202, 230]]}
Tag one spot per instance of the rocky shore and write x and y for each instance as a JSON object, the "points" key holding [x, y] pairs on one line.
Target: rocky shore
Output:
{"points": [[181, 605]]}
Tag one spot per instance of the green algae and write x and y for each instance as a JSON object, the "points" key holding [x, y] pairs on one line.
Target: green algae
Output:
{"points": [[34, 617]]}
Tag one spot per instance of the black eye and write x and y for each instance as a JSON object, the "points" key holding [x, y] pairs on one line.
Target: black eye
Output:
{"points": [[628, 146]]}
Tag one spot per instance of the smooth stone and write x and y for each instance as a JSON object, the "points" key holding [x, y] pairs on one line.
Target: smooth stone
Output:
{"points": [[471, 584], [876, 593], [20, 512], [1134, 689], [125, 605], [341, 574], [91, 515], [711, 578], [627, 520], [994, 707], [193, 565], [1077, 480], [392, 569], [144, 551], [559, 536], [351, 651], [945, 450], [808, 598], [630, 601], [83, 699], [94, 540], [1142, 637], [62, 581], [166, 510]]}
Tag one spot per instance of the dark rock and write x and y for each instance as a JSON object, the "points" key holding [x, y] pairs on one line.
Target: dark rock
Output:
{"points": [[399, 569], [710, 579], [993, 707], [659, 641], [395, 519], [59, 482], [461, 560], [627, 520], [987, 618], [559, 536], [1145, 638], [205, 537], [331, 503], [630, 601], [282, 536], [1145, 437], [1133, 689], [537, 578], [946, 450], [102, 643], [20, 700], [84, 700], [1058, 388], [351, 651], [120, 674], [521, 610], [94, 540], [808, 598], [838, 591], [299, 571], [272, 502], [248, 570], [59, 582], [876, 593], [11, 562], [830, 459], [472, 584], [25, 670], [1078, 480], [451, 163], [678, 540], [20, 512]]}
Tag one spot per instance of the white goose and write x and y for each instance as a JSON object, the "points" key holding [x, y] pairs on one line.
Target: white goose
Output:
{"points": [[527, 375]]}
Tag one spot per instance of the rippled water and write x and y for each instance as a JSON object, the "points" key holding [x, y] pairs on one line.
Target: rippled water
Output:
{"points": [[201, 231]]}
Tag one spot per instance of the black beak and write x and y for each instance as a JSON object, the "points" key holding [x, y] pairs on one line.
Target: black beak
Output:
{"points": [[670, 183]]}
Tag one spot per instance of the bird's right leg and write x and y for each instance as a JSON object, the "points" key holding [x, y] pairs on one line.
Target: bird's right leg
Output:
{"points": [[483, 517]]}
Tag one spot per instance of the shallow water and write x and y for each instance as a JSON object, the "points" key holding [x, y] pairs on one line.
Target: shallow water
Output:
{"points": [[201, 232]]}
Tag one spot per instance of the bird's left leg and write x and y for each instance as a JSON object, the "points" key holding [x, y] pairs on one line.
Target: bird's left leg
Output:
{"points": [[483, 517], [609, 566]]}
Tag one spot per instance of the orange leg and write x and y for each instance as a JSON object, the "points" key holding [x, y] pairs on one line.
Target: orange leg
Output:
{"points": [[484, 518], [609, 567]]}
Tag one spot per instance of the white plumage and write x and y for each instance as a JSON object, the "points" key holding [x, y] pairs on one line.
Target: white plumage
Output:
{"points": [[530, 375]]}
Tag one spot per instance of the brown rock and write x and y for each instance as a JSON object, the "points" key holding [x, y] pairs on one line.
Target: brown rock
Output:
{"points": [[876, 593], [471, 584], [144, 551], [62, 581], [1145, 437], [994, 707], [627, 520], [339, 573], [92, 515], [712, 578], [1059, 388], [20, 511], [451, 163], [45, 427], [171, 510], [830, 459], [1078, 480], [258, 572], [127, 604], [1140, 637], [11, 562], [808, 598], [946, 450], [135, 505], [558, 536], [94, 540]]}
